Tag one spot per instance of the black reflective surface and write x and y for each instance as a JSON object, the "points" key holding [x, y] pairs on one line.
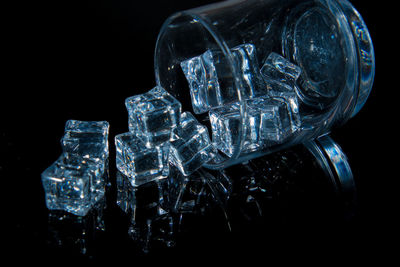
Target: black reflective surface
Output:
{"points": [[80, 60], [268, 203]]}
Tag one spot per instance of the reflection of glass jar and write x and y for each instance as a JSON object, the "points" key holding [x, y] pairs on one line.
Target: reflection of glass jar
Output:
{"points": [[305, 66]]}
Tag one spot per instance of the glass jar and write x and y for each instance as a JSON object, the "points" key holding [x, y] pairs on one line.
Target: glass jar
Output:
{"points": [[304, 65]]}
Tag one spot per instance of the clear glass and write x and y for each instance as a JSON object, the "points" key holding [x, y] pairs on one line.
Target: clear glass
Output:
{"points": [[318, 53]]}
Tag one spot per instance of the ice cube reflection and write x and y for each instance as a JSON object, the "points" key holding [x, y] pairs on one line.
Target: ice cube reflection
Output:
{"points": [[264, 196], [78, 234]]}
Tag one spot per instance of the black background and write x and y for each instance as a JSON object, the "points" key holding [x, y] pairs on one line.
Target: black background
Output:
{"points": [[81, 59]]}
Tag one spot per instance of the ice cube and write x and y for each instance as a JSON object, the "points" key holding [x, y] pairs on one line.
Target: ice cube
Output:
{"points": [[212, 82], [203, 82], [225, 123], [153, 115], [87, 127], [84, 145], [139, 162], [85, 139], [76, 181], [271, 117], [246, 58], [279, 68], [280, 76], [70, 187], [267, 122], [287, 92], [98, 167], [191, 146]]}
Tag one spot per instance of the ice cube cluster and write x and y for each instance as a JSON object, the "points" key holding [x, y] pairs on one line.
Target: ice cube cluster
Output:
{"points": [[267, 94], [76, 180], [265, 111], [159, 135], [211, 82]]}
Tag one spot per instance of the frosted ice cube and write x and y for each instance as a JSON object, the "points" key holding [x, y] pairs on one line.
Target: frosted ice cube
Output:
{"points": [[85, 139], [279, 68], [272, 117], [153, 115], [139, 162], [211, 80], [225, 123], [69, 187], [191, 146]]}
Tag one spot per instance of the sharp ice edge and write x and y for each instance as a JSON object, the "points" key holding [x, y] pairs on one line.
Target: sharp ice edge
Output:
{"points": [[76, 181], [205, 74]]}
